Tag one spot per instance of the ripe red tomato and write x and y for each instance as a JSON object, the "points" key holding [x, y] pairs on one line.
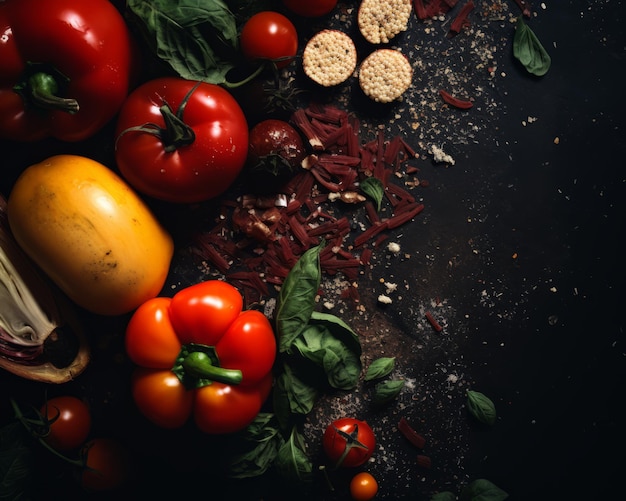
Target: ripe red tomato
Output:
{"points": [[363, 486], [349, 442], [107, 464], [310, 8], [269, 35], [69, 422], [191, 153]]}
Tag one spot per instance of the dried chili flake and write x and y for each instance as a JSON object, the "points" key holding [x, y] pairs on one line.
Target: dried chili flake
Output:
{"points": [[411, 434], [454, 101]]}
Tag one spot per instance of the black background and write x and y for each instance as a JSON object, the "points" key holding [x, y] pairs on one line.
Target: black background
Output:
{"points": [[541, 333]]}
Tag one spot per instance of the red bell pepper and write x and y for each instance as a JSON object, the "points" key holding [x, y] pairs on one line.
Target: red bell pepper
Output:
{"points": [[199, 353], [65, 67]]}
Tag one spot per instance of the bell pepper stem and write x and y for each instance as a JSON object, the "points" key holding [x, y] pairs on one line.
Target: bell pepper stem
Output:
{"points": [[199, 364], [43, 88]]}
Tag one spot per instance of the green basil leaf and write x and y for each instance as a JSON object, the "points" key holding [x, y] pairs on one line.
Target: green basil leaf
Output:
{"points": [[443, 496], [482, 490], [481, 407], [339, 329], [257, 449], [300, 396], [296, 299], [198, 39], [292, 462], [340, 365], [528, 50], [387, 391], [380, 367], [374, 189]]}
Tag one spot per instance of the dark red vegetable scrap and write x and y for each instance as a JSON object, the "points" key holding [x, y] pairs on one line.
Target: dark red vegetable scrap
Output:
{"points": [[410, 434], [454, 101]]}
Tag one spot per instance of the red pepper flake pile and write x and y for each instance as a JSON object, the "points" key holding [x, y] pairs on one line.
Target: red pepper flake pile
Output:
{"points": [[256, 240]]}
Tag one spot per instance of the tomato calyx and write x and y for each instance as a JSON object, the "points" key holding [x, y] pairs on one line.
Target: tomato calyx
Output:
{"points": [[352, 441], [198, 365], [40, 86], [176, 132]]}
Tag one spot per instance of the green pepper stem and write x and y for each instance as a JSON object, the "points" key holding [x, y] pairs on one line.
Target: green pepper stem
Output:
{"points": [[199, 364], [43, 87]]}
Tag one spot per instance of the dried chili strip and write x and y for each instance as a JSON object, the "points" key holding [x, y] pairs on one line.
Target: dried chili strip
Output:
{"points": [[370, 232], [524, 6], [454, 101], [404, 217], [431, 320], [461, 20], [410, 434]]}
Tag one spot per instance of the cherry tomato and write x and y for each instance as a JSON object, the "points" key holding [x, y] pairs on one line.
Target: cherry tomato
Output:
{"points": [[310, 8], [363, 486], [349, 442], [181, 141], [107, 464], [69, 422], [275, 153], [269, 35]]}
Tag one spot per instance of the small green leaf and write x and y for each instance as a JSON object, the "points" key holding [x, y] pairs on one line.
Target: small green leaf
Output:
{"points": [[528, 50], [380, 367], [374, 189], [387, 391], [482, 490], [481, 407]]}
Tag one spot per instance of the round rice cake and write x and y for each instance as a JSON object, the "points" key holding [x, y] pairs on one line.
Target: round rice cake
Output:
{"points": [[385, 75], [329, 57], [381, 20]]}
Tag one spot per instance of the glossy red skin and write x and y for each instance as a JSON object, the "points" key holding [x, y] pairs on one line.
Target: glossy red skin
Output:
{"points": [[275, 137], [269, 35], [71, 422], [310, 8], [192, 173], [334, 444], [208, 313], [86, 41], [108, 464]]}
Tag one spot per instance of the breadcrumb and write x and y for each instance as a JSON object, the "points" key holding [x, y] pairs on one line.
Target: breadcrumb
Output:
{"points": [[329, 58], [385, 75], [381, 20]]}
